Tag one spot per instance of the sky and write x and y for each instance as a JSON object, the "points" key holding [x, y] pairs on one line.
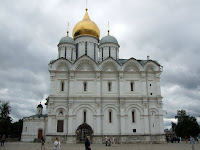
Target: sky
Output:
{"points": [[167, 31]]}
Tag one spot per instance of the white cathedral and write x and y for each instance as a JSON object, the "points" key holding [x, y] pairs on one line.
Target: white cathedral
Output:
{"points": [[95, 93]]}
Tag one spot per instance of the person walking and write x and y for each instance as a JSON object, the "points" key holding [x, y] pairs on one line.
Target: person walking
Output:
{"points": [[3, 139], [192, 142], [56, 144], [42, 142], [113, 141], [87, 144], [106, 141]]}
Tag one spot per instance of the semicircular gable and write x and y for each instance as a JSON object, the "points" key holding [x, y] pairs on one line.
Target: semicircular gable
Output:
{"points": [[109, 106], [109, 65], [61, 65], [85, 64], [134, 107], [132, 65], [83, 106], [151, 66]]}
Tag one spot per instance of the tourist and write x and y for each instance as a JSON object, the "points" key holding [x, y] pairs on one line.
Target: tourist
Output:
{"points": [[113, 141], [87, 144], [192, 142], [106, 141], [56, 144], [3, 139], [42, 141], [109, 142], [197, 139]]}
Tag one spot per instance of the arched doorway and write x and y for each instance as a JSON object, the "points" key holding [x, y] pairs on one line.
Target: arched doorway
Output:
{"points": [[83, 131]]}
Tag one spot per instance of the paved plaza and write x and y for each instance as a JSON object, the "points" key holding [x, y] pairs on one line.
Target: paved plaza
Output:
{"points": [[49, 146]]}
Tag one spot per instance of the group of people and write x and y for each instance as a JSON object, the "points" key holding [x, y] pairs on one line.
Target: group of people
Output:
{"points": [[56, 144], [108, 141]]}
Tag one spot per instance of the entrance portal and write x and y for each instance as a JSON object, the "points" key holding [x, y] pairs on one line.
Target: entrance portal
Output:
{"points": [[39, 133], [83, 131]]}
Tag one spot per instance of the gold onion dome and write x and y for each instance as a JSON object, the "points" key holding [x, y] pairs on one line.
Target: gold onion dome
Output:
{"points": [[86, 27]]}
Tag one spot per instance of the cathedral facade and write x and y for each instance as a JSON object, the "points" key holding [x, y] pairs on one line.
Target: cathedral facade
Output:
{"points": [[95, 93]]}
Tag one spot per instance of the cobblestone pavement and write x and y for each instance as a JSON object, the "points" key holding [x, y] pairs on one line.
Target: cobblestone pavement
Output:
{"points": [[49, 146]]}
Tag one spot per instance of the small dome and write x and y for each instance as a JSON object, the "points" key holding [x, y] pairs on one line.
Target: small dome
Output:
{"points": [[86, 27], [108, 39], [67, 39], [40, 105]]}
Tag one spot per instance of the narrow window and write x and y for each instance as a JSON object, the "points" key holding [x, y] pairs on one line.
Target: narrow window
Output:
{"points": [[26, 129], [85, 48], [85, 86], [116, 53], [109, 51], [62, 86], [102, 54], [60, 125], [151, 94], [84, 116], [65, 52], [133, 116], [110, 116], [71, 54], [59, 52], [94, 52], [109, 86], [150, 84], [132, 84], [76, 50]]}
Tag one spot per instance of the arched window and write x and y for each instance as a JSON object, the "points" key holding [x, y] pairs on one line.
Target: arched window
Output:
{"points": [[84, 86], [133, 116], [132, 85], [65, 52], [109, 86], [109, 51], [85, 48], [84, 116], [102, 54], [110, 116], [76, 50], [62, 85]]}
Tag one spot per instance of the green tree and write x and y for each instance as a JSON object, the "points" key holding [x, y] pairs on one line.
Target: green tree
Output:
{"points": [[16, 129], [5, 119], [187, 125]]}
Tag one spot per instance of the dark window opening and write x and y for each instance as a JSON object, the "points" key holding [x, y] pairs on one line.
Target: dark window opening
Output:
{"points": [[62, 86], [65, 53], [151, 93], [109, 51], [134, 130], [109, 86], [102, 54], [86, 48], [110, 117], [132, 86], [94, 51], [133, 116], [84, 117], [76, 50], [60, 125], [85, 86]]}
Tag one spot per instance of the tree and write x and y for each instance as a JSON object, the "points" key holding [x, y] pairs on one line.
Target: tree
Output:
{"points": [[16, 129], [5, 119], [187, 125]]}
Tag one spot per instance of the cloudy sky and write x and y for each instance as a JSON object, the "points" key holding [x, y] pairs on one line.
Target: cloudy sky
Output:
{"points": [[166, 30]]}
